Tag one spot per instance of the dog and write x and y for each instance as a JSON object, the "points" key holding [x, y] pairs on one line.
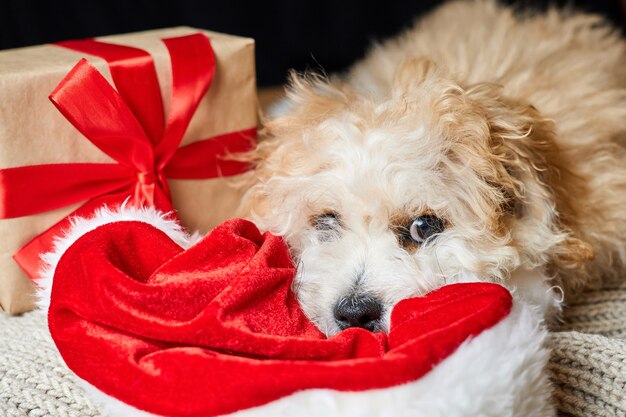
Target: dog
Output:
{"points": [[485, 143]]}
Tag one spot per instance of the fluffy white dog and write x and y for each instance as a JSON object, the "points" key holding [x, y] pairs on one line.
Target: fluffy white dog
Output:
{"points": [[481, 144]]}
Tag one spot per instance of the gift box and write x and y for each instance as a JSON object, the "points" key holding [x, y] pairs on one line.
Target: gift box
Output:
{"points": [[145, 119]]}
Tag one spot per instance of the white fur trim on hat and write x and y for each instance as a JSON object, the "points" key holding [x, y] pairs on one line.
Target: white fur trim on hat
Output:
{"points": [[81, 225]]}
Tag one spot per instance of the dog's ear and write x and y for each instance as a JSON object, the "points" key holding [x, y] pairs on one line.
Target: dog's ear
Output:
{"points": [[533, 173], [310, 98], [412, 73]]}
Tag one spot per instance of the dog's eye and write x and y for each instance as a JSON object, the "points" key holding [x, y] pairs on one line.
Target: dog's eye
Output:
{"points": [[425, 226], [326, 221]]}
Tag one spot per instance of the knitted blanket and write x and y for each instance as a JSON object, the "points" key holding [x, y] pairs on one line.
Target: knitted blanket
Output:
{"points": [[588, 363]]}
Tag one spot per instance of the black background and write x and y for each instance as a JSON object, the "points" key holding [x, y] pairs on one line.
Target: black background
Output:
{"points": [[290, 34]]}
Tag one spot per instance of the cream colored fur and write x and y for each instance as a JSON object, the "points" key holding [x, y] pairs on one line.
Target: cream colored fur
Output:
{"points": [[511, 126]]}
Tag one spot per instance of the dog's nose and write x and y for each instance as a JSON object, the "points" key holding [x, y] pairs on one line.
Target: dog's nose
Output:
{"points": [[358, 311]]}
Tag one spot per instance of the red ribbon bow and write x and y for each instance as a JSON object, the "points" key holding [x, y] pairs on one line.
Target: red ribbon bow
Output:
{"points": [[128, 124]]}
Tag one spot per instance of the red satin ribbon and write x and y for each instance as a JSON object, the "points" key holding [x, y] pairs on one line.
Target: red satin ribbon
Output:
{"points": [[128, 124]]}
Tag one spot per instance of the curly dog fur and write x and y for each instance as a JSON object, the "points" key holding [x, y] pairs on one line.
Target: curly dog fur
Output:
{"points": [[508, 126]]}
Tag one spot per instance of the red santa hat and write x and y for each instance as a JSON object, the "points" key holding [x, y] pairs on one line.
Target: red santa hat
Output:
{"points": [[154, 321]]}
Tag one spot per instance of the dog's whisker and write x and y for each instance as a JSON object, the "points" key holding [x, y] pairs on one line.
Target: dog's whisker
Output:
{"points": [[297, 281]]}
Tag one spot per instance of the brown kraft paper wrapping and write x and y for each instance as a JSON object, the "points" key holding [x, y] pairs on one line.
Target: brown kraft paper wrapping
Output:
{"points": [[33, 132]]}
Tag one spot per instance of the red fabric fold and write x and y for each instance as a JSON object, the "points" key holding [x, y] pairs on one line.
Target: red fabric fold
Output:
{"points": [[193, 68], [215, 329], [99, 112], [76, 182], [208, 159], [135, 79]]}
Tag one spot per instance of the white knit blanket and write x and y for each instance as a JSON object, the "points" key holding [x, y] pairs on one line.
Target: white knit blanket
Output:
{"points": [[588, 364]]}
